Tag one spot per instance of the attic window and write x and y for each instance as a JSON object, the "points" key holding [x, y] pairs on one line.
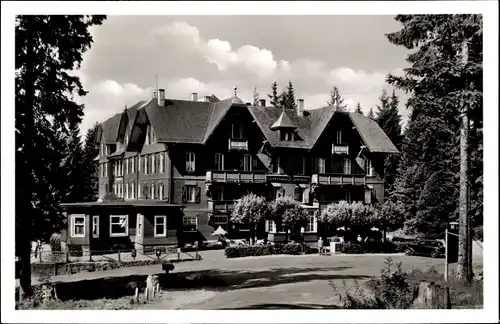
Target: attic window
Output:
{"points": [[287, 135]]}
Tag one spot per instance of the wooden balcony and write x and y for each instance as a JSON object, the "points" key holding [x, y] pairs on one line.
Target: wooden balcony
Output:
{"points": [[220, 206], [238, 144], [342, 149], [339, 179], [236, 176]]}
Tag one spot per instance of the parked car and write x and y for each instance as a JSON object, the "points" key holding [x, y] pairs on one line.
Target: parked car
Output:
{"points": [[431, 248]]}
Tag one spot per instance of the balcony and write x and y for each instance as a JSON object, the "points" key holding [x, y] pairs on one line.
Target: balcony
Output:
{"points": [[339, 179], [236, 176], [288, 178], [341, 149], [238, 144], [220, 206]]}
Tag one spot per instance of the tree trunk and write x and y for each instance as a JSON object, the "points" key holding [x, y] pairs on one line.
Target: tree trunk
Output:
{"points": [[463, 271]]}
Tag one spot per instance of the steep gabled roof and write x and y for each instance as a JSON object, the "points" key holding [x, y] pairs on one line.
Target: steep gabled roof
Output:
{"points": [[127, 119], [110, 128], [219, 110], [374, 137]]}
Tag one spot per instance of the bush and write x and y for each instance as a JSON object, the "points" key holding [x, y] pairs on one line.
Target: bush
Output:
{"points": [[478, 233], [259, 250], [75, 250], [368, 247], [55, 242]]}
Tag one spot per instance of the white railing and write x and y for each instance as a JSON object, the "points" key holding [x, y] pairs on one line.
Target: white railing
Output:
{"points": [[238, 144], [340, 149]]}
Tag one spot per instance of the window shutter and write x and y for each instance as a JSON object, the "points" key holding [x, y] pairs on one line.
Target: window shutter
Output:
{"points": [[198, 194], [184, 194]]}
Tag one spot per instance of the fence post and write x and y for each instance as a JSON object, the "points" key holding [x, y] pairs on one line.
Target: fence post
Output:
{"points": [[136, 297], [40, 254], [146, 293], [196, 256], [90, 255], [67, 256]]}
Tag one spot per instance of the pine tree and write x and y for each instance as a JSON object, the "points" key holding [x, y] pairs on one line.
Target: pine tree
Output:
{"points": [[358, 109], [289, 101], [370, 114], [255, 97], [336, 99], [440, 87], [91, 167], [274, 97], [46, 47], [73, 166]]}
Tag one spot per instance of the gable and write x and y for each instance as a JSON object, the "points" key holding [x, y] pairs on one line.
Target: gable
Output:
{"points": [[375, 139]]}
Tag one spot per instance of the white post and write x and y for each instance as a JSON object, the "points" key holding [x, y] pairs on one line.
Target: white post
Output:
{"points": [[446, 255], [146, 293], [136, 296]]}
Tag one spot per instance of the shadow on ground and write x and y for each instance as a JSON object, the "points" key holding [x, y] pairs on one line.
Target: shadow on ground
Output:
{"points": [[285, 306], [116, 287]]}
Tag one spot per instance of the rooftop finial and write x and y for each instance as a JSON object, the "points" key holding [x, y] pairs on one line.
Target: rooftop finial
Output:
{"points": [[235, 91]]}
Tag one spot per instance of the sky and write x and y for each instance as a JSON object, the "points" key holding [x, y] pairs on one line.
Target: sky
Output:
{"points": [[213, 54]]}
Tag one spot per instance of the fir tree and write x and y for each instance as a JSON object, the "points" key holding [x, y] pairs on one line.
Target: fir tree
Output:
{"points": [[46, 48], [336, 99], [91, 167], [274, 98], [255, 97], [428, 173], [289, 101], [370, 114], [358, 109]]}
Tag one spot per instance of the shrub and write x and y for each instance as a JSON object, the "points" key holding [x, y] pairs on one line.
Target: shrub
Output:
{"points": [[368, 247], [75, 250], [353, 248], [259, 250], [55, 242]]}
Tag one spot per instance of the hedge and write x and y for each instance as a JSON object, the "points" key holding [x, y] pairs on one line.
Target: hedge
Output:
{"points": [[368, 247], [259, 250], [75, 267]]}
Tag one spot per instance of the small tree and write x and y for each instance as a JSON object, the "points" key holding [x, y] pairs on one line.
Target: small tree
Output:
{"points": [[250, 210], [289, 214], [358, 109], [388, 216]]}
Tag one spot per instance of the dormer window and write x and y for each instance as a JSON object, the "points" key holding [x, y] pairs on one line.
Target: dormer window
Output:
{"points": [[287, 135], [150, 136], [339, 137]]}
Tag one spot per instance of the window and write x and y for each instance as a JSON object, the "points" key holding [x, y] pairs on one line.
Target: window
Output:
{"points": [[347, 166], [102, 169], [153, 187], [190, 223], [106, 167], [246, 162], [95, 226], [139, 192], [368, 196], [237, 131], [126, 190], [297, 194], [191, 193], [218, 193], [140, 221], [126, 166], [339, 136], [139, 162], [219, 161], [132, 165], [114, 189], [160, 191], [78, 229], [146, 160], [118, 225], [221, 220], [312, 225], [160, 226], [277, 167], [279, 192], [147, 139], [368, 167], [348, 196], [132, 190], [320, 165], [153, 164], [162, 162], [286, 135], [190, 162], [273, 228]]}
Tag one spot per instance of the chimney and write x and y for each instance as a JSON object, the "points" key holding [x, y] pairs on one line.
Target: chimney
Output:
{"points": [[161, 98], [154, 94], [194, 96], [207, 98], [300, 108], [262, 102]]}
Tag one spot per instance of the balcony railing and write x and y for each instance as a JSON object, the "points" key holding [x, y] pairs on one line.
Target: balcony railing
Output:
{"points": [[339, 179], [220, 206], [340, 149], [238, 144], [236, 176]]}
